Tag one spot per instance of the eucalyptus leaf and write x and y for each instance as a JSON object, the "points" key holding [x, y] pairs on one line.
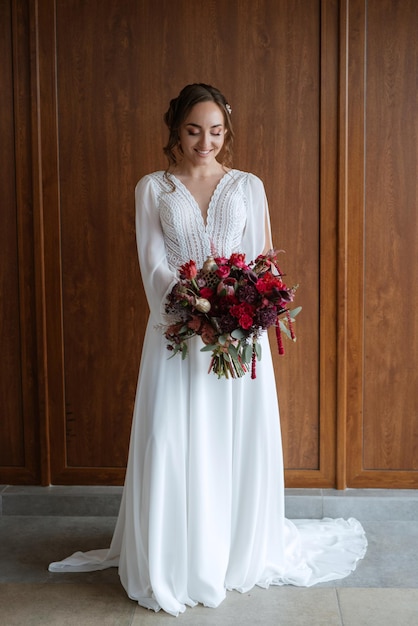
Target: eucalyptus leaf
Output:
{"points": [[232, 351], [208, 348], [284, 329], [238, 334], [247, 353], [258, 350]]}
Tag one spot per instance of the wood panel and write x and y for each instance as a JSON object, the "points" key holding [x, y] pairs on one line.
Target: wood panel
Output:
{"points": [[84, 86], [382, 243], [19, 442], [100, 129]]}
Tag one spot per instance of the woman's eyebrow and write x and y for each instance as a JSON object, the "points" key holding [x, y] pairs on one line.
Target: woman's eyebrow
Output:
{"points": [[197, 125]]}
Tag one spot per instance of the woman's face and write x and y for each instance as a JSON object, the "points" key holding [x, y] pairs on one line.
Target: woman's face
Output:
{"points": [[202, 134]]}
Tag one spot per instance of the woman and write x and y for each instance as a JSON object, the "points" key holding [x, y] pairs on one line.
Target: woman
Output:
{"points": [[203, 503]]}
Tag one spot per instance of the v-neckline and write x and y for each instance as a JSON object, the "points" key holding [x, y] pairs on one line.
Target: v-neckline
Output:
{"points": [[195, 202]]}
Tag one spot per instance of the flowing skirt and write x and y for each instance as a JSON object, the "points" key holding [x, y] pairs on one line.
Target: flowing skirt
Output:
{"points": [[202, 509]]}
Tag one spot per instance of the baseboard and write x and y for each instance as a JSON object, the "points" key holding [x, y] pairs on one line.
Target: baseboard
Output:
{"points": [[363, 504]]}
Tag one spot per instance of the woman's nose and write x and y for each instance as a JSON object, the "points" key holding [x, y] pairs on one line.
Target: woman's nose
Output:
{"points": [[205, 140]]}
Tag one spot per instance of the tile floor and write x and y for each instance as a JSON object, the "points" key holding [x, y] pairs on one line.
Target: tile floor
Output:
{"points": [[383, 591]]}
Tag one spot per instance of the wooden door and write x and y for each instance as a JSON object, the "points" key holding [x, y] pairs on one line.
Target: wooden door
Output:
{"points": [[107, 70], [380, 218], [19, 423], [324, 100]]}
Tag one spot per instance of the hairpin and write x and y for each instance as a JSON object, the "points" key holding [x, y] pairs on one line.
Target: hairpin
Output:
{"points": [[228, 108]]}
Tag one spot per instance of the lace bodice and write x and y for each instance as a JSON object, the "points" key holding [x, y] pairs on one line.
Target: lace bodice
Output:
{"points": [[185, 233], [171, 230]]}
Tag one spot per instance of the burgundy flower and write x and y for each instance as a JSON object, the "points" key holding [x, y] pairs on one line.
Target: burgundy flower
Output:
{"points": [[247, 293], [227, 323], [265, 317]]}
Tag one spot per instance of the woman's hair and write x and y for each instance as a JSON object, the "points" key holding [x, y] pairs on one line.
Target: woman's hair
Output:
{"points": [[180, 108]]}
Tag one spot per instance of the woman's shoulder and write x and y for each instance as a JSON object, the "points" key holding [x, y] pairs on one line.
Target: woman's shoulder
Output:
{"points": [[156, 180], [246, 175], [150, 177], [249, 179]]}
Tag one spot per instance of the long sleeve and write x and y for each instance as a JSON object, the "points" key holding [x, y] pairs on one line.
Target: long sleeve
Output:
{"points": [[157, 277], [257, 234]]}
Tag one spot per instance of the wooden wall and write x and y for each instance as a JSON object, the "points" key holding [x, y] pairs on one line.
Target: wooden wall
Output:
{"points": [[324, 100]]}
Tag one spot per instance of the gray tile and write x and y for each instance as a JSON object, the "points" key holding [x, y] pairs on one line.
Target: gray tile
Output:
{"points": [[372, 504], [303, 506], [29, 544], [66, 605], [73, 501], [276, 606], [379, 607], [365, 504], [391, 558]]}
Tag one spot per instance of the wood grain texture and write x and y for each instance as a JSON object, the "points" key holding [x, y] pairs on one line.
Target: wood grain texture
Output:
{"points": [[391, 238], [118, 64], [11, 425], [19, 440], [326, 117], [383, 270]]}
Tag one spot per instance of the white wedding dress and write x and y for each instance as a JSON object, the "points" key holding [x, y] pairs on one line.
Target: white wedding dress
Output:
{"points": [[203, 504]]}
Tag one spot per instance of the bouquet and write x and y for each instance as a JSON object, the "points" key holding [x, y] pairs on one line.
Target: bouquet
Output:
{"points": [[229, 303]]}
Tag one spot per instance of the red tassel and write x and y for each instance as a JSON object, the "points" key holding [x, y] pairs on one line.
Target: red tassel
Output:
{"points": [[253, 364], [279, 338], [290, 326]]}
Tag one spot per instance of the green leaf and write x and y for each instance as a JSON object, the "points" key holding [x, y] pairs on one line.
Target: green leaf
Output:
{"points": [[247, 353], [284, 329], [295, 312], [238, 334], [258, 350], [208, 348], [223, 339]]}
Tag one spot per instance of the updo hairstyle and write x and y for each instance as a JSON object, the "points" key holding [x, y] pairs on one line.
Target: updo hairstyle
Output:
{"points": [[180, 108]]}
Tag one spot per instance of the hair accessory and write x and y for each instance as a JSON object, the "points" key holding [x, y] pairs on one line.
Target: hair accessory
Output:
{"points": [[228, 108]]}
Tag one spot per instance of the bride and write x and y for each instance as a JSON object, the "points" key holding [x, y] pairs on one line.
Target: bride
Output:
{"points": [[202, 510]]}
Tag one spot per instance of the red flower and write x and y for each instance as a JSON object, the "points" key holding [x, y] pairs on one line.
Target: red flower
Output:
{"points": [[221, 260], [268, 282], [238, 260], [188, 270], [244, 312], [206, 292], [245, 321], [223, 271]]}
